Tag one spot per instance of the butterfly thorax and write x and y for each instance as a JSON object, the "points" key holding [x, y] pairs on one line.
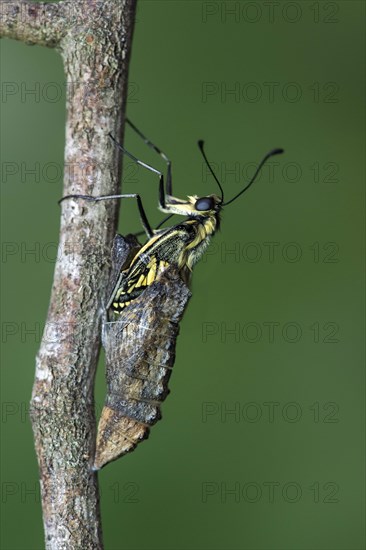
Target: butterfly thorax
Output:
{"points": [[205, 228]]}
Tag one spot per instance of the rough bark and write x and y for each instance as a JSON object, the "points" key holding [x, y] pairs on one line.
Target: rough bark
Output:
{"points": [[94, 39], [39, 23]]}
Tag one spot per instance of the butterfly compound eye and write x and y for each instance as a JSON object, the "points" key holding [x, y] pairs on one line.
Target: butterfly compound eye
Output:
{"points": [[206, 203]]}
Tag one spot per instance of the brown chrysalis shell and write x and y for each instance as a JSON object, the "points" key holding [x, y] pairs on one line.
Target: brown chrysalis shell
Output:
{"points": [[139, 354]]}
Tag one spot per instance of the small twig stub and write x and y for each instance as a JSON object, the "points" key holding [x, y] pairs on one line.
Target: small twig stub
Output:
{"points": [[140, 353]]}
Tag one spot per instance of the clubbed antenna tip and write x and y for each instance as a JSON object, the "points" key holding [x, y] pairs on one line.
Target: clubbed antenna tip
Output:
{"points": [[278, 151]]}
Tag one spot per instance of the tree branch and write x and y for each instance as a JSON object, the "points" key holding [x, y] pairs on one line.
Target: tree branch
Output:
{"points": [[42, 23], [96, 50]]}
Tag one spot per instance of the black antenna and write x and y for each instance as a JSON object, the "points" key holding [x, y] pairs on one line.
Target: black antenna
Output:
{"points": [[200, 145], [264, 160]]}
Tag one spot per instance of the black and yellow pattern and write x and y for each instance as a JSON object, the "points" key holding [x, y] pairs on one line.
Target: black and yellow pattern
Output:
{"points": [[132, 285], [181, 246]]}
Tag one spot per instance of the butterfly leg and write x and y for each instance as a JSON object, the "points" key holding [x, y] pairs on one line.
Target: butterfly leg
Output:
{"points": [[162, 202], [169, 183], [138, 233], [144, 221]]}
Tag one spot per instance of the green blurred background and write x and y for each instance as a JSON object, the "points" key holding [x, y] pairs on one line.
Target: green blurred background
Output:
{"points": [[261, 442]]}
